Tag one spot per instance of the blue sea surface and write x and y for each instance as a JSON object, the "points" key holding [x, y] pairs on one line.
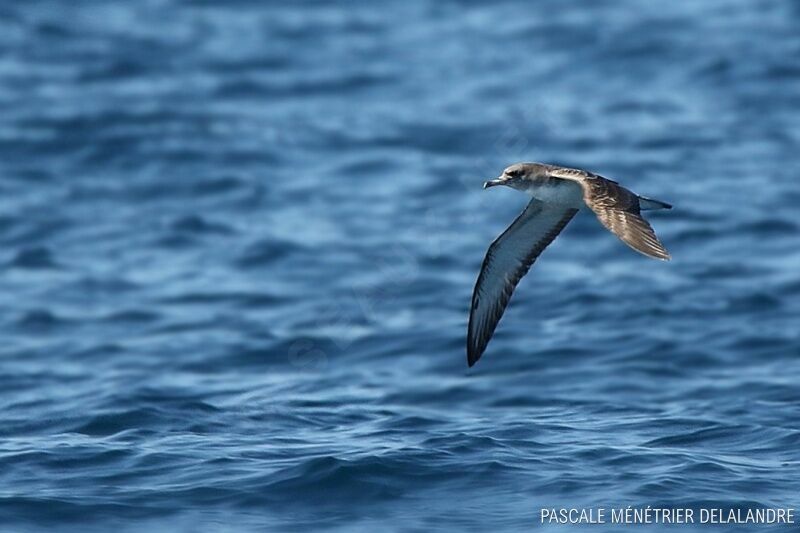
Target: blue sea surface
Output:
{"points": [[239, 239]]}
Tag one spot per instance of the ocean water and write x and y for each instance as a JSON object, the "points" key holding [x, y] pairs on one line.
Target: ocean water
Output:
{"points": [[238, 242]]}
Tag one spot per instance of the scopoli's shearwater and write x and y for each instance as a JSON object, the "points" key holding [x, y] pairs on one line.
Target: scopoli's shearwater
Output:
{"points": [[558, 194]]}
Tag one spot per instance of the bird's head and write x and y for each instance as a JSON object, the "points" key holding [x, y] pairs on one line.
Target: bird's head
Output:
{"points": [[518, 175]]}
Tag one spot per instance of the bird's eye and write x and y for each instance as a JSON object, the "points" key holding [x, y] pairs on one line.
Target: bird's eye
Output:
{"points": [[512, 173]]}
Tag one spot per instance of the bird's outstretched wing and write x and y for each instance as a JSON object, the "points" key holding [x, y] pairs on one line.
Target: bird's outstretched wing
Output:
{"points": [[508, 259], [618, 209]]}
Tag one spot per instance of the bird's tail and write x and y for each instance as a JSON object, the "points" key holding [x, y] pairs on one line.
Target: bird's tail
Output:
{"points": [[648, 204]]}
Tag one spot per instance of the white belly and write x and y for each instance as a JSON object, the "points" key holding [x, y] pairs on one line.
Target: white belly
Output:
{"points": [[566, 193]]}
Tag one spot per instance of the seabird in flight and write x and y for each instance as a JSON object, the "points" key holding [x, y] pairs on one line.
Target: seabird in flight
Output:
{"points": [[558, 194]]}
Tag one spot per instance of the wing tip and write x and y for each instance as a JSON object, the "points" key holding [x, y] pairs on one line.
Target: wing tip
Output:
{"points": [[661, 255], [648, 249], [472, 355]]}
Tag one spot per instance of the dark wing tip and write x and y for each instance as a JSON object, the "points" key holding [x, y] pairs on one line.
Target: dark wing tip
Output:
{"points": [[652, 249], [662, 257], [474, 351]]}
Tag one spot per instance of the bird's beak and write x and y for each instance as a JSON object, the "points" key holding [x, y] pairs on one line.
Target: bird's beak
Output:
{"points": [[497, 181]]}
